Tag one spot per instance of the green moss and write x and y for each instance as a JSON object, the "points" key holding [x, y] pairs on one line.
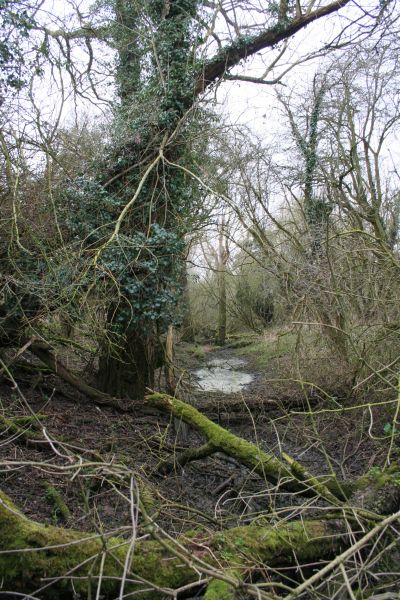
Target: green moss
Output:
{"points": [[29, 420], [52, 552], [199, 352], [57, 551], [18, 427], [267, 544], [146, 495], [264, 351], [379, 489], [266, 465], [56, 501], [219, 590]]}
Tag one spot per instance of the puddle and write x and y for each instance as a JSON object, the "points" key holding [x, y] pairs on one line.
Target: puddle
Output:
{"points": [[220, 376]]}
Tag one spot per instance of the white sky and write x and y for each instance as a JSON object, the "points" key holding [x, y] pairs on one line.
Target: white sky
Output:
{"points": [[246, 103]]}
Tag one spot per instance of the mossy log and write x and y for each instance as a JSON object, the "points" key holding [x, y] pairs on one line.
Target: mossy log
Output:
{"points": [[218, 589], [377, 491], [36, 557], [51, 562], [288, 473], [55, 560]]}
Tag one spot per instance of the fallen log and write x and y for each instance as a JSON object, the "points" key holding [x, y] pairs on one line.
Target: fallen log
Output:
{"points": [[54, 562], [291, 476], [287, 473]]}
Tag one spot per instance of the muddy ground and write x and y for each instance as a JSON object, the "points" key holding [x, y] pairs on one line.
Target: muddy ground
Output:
{"points": [[211, 493]]}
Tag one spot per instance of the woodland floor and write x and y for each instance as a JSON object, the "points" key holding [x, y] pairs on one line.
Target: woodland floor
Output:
{"points": [[213, 492]]}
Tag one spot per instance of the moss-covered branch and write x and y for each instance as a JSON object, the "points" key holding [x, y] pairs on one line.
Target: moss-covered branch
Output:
{"points": [[21, 427], [32, 554], [187, 456], [289, 474]]}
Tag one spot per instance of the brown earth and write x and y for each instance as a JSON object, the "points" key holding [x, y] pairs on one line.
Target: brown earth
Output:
{"points": [[213, 492]]}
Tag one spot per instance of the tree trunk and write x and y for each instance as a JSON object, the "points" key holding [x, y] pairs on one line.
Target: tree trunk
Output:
{"points": [[127, 370], [222, 258], [221, 333], [187, 331], [169, 361], [44, 353]]}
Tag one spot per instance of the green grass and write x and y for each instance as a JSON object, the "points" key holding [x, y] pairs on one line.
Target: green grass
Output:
{"points": [[276, 344], [264, 350], [198, 352]]}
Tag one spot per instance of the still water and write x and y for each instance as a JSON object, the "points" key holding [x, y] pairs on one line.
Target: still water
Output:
{"points": [[221, 375]]}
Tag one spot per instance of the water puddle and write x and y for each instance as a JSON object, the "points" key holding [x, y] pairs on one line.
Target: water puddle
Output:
{"points": [[220, 375]]}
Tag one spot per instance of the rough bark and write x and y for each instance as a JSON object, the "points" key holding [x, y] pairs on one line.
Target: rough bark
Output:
{"points": [[127, 371]]}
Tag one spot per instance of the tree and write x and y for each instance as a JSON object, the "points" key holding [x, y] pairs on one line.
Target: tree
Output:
{"points": [[133, 211], [163, 72], [332, 234], [316, 210], [217, 259]]}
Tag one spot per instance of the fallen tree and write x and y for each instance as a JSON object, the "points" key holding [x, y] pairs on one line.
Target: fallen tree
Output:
{"points": [[286, 472], [50, 561], [46, 562]]}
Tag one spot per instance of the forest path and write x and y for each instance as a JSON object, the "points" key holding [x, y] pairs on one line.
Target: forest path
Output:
{"points": [[265, 412]]}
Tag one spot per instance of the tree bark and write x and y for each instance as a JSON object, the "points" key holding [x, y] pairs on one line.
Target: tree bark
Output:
{"points": [[127, 370], [231, 55], [44, 352]]}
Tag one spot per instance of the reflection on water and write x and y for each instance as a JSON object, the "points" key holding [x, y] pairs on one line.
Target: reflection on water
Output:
{"points": [[220, 376]]}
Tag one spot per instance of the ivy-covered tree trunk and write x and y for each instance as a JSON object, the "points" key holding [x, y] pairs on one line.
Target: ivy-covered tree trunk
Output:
{"points": [[145, 258], [134, 211]]}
